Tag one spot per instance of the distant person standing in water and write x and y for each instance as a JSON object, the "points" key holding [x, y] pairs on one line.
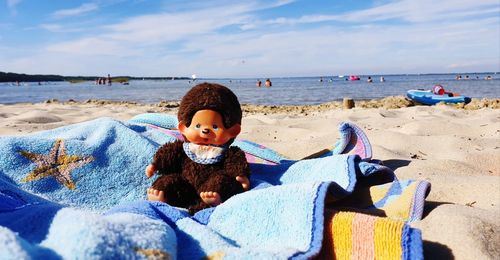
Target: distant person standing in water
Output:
{"points": [[109, 80], [370, 80], [382, 79], [258, 83], [269, 83]]}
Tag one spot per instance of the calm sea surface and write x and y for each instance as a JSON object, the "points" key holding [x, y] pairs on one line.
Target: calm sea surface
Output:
{"points": [[284, 91]]}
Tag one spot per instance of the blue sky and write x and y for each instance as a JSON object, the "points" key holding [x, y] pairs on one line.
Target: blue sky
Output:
{"points": [[248, 38]]}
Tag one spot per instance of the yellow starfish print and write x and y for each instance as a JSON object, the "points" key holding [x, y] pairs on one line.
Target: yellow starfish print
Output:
{"points": [[56, 164], [153, 253]]}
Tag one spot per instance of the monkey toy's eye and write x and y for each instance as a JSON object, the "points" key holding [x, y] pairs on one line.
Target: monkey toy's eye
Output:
{"points": [[215, 127], [198, 126]]}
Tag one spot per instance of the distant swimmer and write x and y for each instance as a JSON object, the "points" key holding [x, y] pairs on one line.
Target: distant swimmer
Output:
{"points": [[269, 83], [488, 77], [258, 83], [370, 80]]}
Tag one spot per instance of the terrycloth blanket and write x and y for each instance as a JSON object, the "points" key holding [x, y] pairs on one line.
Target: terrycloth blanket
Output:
{"points": [[78, 192]]}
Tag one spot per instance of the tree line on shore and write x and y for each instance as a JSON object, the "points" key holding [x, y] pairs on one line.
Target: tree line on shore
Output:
{"points": [[16, 77]]}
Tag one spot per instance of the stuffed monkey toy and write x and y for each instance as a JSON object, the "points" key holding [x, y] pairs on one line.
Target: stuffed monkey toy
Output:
{"points": [[202, 171]]}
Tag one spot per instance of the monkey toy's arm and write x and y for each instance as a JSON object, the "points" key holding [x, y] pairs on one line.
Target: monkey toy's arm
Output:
{"points": [[236, 165], [167, 160]]}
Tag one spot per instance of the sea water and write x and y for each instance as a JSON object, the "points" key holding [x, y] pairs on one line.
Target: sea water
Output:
{"points": [[284, 91]]}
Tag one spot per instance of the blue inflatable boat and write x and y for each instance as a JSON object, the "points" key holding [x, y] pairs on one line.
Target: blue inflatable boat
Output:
{"points": [[426, 97]]}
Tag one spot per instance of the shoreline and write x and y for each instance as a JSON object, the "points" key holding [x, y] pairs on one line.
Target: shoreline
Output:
{"points": [[390, 102]]}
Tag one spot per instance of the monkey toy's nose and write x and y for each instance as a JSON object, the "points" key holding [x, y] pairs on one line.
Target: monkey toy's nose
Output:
{"points": [[205, 131]]}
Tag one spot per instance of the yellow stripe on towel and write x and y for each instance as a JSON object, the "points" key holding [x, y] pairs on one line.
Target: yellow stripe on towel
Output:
{"points": [[400, 207], [387, 238], [342, 234]]}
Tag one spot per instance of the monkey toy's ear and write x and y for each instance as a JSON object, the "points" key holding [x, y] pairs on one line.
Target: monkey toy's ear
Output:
{"points": [[182, 127], [234, 130]]}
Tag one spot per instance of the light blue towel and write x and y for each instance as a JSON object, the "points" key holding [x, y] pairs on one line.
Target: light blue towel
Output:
{"points": [[115, 174], [77, 192]]}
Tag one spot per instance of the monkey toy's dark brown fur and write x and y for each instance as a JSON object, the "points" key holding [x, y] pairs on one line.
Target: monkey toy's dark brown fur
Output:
{"points": [[181, 179]]}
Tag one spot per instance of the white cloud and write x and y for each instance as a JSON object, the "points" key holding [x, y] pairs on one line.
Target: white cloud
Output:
{"points": [[52, 27], [422, 10], [197, 41], [405, 10], [92, 46], [13, 3], [153, 30], [59, 28], [167, 27], [332, 50], [84, 8]]}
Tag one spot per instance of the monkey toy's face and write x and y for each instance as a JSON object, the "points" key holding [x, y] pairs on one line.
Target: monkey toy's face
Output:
{"points": [[207, 128]]}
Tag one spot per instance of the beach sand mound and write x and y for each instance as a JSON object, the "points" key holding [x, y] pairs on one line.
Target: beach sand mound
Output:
{"points": [[36, 117], [463, 232]]}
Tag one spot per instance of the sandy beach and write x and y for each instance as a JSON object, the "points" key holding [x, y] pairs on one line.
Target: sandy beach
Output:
{"points": [[456, 149]]}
